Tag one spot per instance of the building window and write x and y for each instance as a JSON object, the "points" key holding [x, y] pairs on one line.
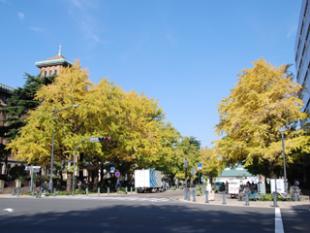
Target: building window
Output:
{"points": [[45, 73], [308, 31]]}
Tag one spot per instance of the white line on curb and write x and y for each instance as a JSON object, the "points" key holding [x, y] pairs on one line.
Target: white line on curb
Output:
{"points": [[278, 224], [112, 198]]}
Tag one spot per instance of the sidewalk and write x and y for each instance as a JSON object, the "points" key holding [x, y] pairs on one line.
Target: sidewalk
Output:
{"points": [[256, 204], [200, 200]]}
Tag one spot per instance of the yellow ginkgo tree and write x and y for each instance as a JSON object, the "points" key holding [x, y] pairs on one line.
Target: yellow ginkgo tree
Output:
{"points": [[73, 110], [264, 100]]}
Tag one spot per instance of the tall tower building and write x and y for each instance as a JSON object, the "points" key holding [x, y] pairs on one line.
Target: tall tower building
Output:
{"points": [[52, 66], [302, 56]]}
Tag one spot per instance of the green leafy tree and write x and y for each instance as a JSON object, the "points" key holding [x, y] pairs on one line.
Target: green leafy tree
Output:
{"points": [[21, 101]]}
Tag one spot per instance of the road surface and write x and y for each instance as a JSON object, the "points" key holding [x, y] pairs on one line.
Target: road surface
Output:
{"points": [[139, 214]]}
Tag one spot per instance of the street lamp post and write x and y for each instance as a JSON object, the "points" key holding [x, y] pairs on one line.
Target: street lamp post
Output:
{"points": [[54, 112], [186, 191], [282, 130]]}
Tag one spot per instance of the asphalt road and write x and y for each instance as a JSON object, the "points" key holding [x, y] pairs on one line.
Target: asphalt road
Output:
{"points": [[296, 220], [132, 216]]}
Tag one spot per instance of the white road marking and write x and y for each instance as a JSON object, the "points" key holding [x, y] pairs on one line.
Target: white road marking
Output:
{"points": [[10, 210], [116, 198], [278, 224]]}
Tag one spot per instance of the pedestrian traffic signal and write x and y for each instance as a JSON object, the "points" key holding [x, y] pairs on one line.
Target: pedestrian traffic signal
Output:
{"points": [[104, 139]]}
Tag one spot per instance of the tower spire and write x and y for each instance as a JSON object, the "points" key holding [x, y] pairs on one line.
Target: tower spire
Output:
{"points": [[59, 50]]}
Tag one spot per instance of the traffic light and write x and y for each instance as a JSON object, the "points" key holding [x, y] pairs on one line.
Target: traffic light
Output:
{"points": [[104, 139]]}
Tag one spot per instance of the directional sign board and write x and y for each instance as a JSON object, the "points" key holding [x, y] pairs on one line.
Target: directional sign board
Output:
{"points": [[117, 174], [112, 169], [199, 166], [35, 169], [94, 139]]}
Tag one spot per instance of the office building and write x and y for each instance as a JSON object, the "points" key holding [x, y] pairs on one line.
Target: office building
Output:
{"points": [[302, 57]]}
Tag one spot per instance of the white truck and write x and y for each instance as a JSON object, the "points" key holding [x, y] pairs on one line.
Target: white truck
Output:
{"points": [[148, 180], [233, 188]]}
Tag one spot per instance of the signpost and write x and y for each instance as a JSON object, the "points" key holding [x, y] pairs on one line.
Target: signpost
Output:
{"points": [[186, 186], [199, 166]]}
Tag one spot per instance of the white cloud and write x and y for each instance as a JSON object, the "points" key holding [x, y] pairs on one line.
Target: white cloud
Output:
{"points": [[83, 4], [21, 15], [36, 29], [82, 12]]}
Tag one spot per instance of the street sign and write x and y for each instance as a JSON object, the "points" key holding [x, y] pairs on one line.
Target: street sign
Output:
{"points": [[199, 166], [94, 139], [117, 174], [34, 169], [112, 169]]}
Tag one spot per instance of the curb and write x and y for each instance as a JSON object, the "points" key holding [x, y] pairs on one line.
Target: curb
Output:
{"points": [[243, 205]]}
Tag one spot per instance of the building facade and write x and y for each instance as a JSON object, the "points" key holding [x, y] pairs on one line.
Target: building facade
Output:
{"points": [[48, 68], [52, 66], [302, 53]]}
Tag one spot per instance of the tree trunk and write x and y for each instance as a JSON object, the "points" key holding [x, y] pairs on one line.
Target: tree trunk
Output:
{"points": [[69, 182]]}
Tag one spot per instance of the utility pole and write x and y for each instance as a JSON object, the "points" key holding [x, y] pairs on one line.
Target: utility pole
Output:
{"points": [[282, 130]]}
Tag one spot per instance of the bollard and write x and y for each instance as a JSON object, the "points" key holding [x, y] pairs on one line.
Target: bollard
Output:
{"points": [[87, 191], [108, 190], [224, 198], [188, 196], [275, 199], [207, 196], [194, 194], [126, 190], [131, 189], [246, 198], [98, 191]]}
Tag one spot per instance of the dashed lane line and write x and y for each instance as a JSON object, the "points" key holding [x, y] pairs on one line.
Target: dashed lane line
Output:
{"points": [[9, 210]]}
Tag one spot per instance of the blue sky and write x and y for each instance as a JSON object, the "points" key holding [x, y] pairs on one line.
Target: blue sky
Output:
{"points": [[185, 54]]}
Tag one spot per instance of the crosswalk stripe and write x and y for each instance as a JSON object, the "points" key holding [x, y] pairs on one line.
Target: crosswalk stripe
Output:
{"points": [[278, 224]]}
